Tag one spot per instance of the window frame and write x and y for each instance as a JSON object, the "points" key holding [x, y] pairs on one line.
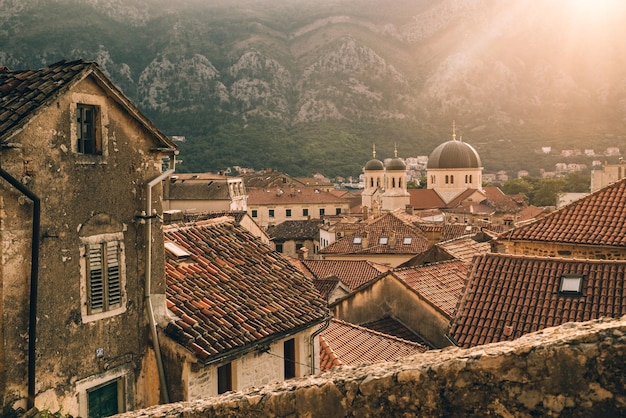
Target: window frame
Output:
{"points": [[407, 240], [290, 360], [271, 213], [225, 381], [565, 284], [254, 213], [305, 211], [99, 246], [287, 213], [101, 124], [383, 240], [357, 240], [92, 143]]}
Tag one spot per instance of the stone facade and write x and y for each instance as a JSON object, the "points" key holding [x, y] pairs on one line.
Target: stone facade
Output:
{"points": [[89, 203], [557, 249], [575, 370]]}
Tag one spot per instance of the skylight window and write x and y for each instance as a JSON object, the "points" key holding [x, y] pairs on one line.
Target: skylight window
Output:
{"points": [[383, 240], [176, 250], [356, 240], [571, 284], [407, 240]]}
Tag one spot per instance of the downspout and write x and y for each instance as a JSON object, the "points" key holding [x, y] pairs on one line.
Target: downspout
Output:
{"points": [[148, 216], [34, 282], [312, 343]]}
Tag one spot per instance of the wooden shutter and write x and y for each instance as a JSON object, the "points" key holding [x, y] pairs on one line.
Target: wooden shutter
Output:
{"points": [[96, 278], [114, 285]]}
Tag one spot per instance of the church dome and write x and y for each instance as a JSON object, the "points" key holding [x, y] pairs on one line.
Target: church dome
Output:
{"points": [[374, 165], [454, 154], [396, 164]]}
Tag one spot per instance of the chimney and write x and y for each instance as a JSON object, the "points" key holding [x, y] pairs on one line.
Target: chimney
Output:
{"points": [[365, 212], [409, 209], [364, 241], [303, 253]]}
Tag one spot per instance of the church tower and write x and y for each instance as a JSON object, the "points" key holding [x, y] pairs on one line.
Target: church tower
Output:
{"points": [[374, 172], [395, 195]]}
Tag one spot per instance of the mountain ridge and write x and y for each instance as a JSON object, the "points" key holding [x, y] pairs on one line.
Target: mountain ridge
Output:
{"points": [[324, 81]]}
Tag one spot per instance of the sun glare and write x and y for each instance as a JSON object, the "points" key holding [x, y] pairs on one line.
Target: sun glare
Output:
{"points": [[596, 10]]}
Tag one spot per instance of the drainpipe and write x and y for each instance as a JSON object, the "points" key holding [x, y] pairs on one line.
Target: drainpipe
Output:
{"points": [[34, 282], [312, 343], [148, 216]]}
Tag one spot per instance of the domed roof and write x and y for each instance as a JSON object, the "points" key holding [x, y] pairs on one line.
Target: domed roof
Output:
{"points": [[396, 164], [454, 154], [374, 165]]}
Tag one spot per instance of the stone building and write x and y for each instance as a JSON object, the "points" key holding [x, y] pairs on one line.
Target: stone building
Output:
{"points": [[82, 280], [242, 315], [289, 237], [205, 192], [591, 227], [276, 205]]}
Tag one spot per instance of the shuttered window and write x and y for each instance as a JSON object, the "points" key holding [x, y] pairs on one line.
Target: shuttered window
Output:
{"points": [[104, 279]]}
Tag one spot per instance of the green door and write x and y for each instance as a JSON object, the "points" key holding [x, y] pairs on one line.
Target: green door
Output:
{"points": [[103, 401]]}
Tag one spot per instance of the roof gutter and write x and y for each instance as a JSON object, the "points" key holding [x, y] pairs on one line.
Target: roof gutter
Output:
{"points": [[312, 342], [148, 216], [34, 282]]}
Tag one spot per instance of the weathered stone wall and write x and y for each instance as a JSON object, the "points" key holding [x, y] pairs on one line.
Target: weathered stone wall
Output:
{"points": [[542, 249], [576, 370]]}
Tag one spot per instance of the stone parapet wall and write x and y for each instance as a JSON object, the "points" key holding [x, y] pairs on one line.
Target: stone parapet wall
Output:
{"points": [[575, 370]]}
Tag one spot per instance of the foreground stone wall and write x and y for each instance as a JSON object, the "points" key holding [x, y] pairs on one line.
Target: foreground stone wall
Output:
{"points": [[576, 370]]}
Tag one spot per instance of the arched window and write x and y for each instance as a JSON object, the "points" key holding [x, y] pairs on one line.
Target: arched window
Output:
{"points": [[447, 179], [393, 182], [371, 182], [400, 182], [451, 179], [470, 177]]}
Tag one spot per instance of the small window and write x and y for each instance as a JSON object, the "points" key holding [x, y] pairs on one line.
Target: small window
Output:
{"points": [[255, 213], [571, 284], [322, 211], [224, 378], [305, 212], [104, 286], [106, 400], [271, 213], [407, 240], [288, 213], [337, 211], [86, 130], [289, 348], [279, 247], [357, 240], [383, 240]]}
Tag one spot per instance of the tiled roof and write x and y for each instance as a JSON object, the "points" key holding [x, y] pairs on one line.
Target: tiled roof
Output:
{"points": [[288, 195], [501, 202], [295, 230], [269, 179], [353, 273], [326, 286], [391, 326], [426, 199], [465, 248], [24, 92], [597, 219], [440, 284], [203, 216], [201, 186], [343, 343], [457, 230], [385, 226], [233, 291], [508, 296]]}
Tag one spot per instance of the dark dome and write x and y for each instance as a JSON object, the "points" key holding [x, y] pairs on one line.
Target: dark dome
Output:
{"points": [[396, 164], [374, 165], [454, 154]]}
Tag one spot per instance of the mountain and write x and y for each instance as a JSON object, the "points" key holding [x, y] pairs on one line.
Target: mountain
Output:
{"points": [[307, 86]]}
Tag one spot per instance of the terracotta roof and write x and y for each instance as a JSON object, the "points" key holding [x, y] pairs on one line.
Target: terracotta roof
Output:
{"points": [[269, 179], [326, 286], [426, 199], [508, 296], [24, 92], [353, 273], [374, 232], [203, 216], [233, 291], [501, 202], [465, 248], [289, 195], [295, 230], [391, 326], [440, 284], [597, 219], [343, 343]]}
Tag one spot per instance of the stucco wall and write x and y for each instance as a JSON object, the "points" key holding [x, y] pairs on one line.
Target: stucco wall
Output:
{"points": [[576, 370], [390, 297]]}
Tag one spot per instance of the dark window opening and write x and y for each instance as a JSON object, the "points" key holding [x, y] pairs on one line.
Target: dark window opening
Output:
{"points": [[255, 213], [289, 348], [86, 130], [271, 212], [288, 213], [305, 212], [337, 211], [224, 378], [105, 400]]}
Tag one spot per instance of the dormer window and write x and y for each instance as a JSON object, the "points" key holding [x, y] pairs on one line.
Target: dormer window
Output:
{"points": [[407, 240], [88, 140], [383, 240], [571, 284], [357, 240]]}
